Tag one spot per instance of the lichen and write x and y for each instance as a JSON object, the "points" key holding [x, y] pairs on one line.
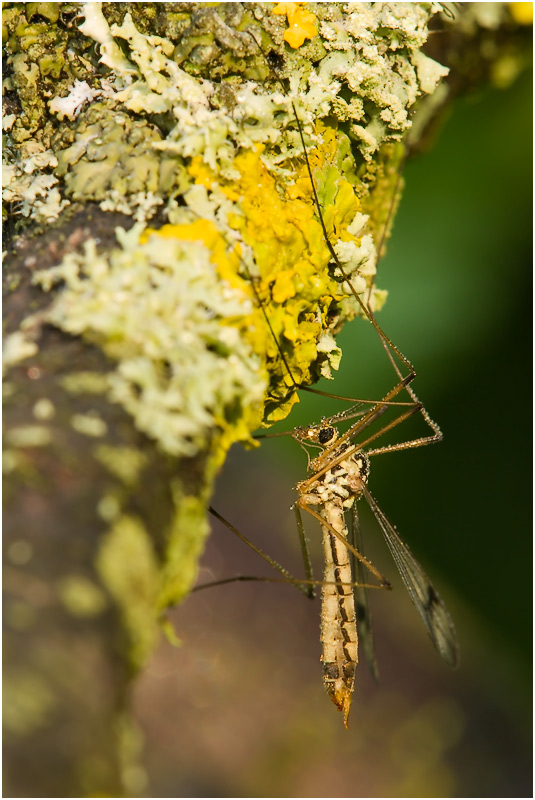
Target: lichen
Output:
{"points": [[17, 347], [43, 409], [300, 22], [29, 185], [222, 299], [124, 463], [28, 436], [129, 570], [81, 597], [89, 424], [85, 383], [155, 131], [28, 703], [186, 539], [155, 308]]}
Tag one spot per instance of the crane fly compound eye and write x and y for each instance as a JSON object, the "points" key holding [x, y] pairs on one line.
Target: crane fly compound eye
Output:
{"points": [[325, 435]]}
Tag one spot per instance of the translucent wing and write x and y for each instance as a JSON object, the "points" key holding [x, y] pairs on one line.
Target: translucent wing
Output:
{"points": [[432, 610]]}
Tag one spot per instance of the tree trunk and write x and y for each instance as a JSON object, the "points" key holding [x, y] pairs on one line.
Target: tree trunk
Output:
{"points": [[167, 289]]}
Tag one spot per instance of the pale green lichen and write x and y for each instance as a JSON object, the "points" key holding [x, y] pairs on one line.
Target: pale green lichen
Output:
{"points": [[186, 539], [85, 383], [158, 131], [17, 347], [129, 570], [71, 105], [193, 125], [125, 463], [28, 436], [30, 185], [81, 597], [43, 409], [112, 161], [89, 424], [156, 308], [28, 704], [131, 742], [109, 507], [371, 53], [12, 461]]}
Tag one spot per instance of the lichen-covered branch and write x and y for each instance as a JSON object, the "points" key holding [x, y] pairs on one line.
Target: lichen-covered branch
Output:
{"points": [[167, 290]]}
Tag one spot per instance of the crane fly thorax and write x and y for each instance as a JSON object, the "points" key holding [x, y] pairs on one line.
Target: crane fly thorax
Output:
{"points": [[344, 481]]}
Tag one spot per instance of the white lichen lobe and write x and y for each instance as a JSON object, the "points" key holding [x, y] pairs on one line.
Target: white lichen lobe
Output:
{"points": [[159, 311], [174, 312]]}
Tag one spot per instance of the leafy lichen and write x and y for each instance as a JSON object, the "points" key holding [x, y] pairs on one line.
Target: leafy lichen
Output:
{"points": [[154, 307], [178, 120], [154, 130]]}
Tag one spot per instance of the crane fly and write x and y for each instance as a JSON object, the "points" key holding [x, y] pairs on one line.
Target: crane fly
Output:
{"points": [[338, 478]]}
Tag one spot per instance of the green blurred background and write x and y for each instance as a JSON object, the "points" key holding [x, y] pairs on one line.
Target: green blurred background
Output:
{"points": [[239, 709]]}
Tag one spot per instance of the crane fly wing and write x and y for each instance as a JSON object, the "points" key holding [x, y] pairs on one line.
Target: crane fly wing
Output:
{"points": [[432, 610]]}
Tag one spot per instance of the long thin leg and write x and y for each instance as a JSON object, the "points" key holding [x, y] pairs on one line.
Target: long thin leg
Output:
{"points": [[328, 463], [383, 582], [328, 243], [304, 547], [305, 589], [303, 584], [355, 429], [387, 343]]}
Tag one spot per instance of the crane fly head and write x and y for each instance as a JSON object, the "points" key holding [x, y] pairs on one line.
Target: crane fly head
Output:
{"points": [[323, 435]]}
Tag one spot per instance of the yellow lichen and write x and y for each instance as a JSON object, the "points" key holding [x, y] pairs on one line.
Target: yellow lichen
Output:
{"points": [[292, 269], [522, 13], [301, 23]]}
